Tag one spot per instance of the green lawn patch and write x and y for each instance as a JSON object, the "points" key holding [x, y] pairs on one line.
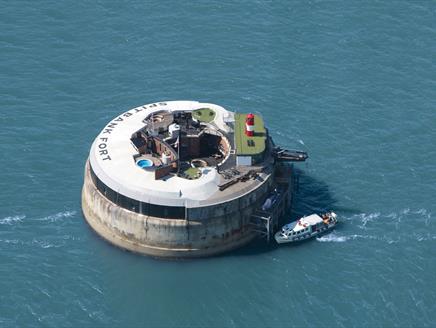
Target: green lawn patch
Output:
{"points": [[249, 145], [192, 173], [204, 115]]}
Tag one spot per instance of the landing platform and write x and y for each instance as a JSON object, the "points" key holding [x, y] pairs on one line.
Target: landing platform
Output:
{"points": [[249, 146]]}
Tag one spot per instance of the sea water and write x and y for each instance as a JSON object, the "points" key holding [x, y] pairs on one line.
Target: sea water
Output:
{"points": [[350, 82]]}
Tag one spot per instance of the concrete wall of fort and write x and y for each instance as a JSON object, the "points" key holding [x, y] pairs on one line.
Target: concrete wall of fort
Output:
{"points": [[208, 230]]}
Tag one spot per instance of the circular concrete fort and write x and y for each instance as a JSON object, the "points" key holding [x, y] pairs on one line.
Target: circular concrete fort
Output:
{"points": [[185, 179]]}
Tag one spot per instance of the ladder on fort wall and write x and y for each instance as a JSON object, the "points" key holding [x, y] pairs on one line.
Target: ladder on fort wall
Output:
{"points": [[266, 223], [263, 224]]}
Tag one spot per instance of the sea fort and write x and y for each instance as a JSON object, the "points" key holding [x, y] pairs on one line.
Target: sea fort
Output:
{"points": [[186, 179]]}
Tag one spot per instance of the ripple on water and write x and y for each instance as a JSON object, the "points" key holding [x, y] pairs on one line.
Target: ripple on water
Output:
{"points": [[405, 225], [9, 220]]}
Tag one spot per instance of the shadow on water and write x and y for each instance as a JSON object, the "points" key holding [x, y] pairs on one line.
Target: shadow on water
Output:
{"points": [[310, 196]]}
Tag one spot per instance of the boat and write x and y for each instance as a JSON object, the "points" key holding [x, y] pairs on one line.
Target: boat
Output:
{"points": [[306, 227]]}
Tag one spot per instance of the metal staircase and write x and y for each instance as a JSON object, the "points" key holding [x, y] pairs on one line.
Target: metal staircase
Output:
{"points": [[266, 221]]}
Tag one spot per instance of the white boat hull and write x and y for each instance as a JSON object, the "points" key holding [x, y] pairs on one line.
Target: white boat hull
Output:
{"points": [[282, 237]]}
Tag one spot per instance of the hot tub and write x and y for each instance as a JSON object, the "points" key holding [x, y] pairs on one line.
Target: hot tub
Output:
{"points": [[144, 163]]}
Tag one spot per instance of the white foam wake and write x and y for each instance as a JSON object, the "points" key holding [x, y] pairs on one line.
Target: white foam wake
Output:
{"points": [[9, 220], [58, 216], [12, 219], [38, 242], [368, 219], [332, 238]]}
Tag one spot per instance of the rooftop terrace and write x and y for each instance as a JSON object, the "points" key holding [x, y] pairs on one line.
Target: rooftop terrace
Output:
{"points": [[115, 151], [249, 145]]}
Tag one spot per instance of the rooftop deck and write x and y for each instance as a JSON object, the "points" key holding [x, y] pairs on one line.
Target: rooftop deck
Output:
{"points": [[245, 145], [114, 150]]}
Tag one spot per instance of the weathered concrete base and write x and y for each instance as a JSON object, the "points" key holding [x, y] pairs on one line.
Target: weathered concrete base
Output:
{"points": [[162, 237]]}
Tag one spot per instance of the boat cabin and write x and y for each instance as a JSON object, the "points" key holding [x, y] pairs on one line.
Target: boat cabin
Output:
{"points": [[305, 225]]}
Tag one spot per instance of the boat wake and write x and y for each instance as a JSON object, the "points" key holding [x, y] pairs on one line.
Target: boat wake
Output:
{"points": [[332, 238], [386, 228], [366, 219]]}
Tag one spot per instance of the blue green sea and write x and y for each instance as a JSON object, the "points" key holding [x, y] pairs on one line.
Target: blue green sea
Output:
{"points": [[353, 83]]}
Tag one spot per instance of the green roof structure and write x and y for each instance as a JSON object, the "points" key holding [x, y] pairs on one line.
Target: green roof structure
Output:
{"points": [[249, 146]]}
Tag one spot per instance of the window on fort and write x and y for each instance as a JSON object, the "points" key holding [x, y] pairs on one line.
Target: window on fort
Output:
{"points": [[111, 195], [145, 208]]}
